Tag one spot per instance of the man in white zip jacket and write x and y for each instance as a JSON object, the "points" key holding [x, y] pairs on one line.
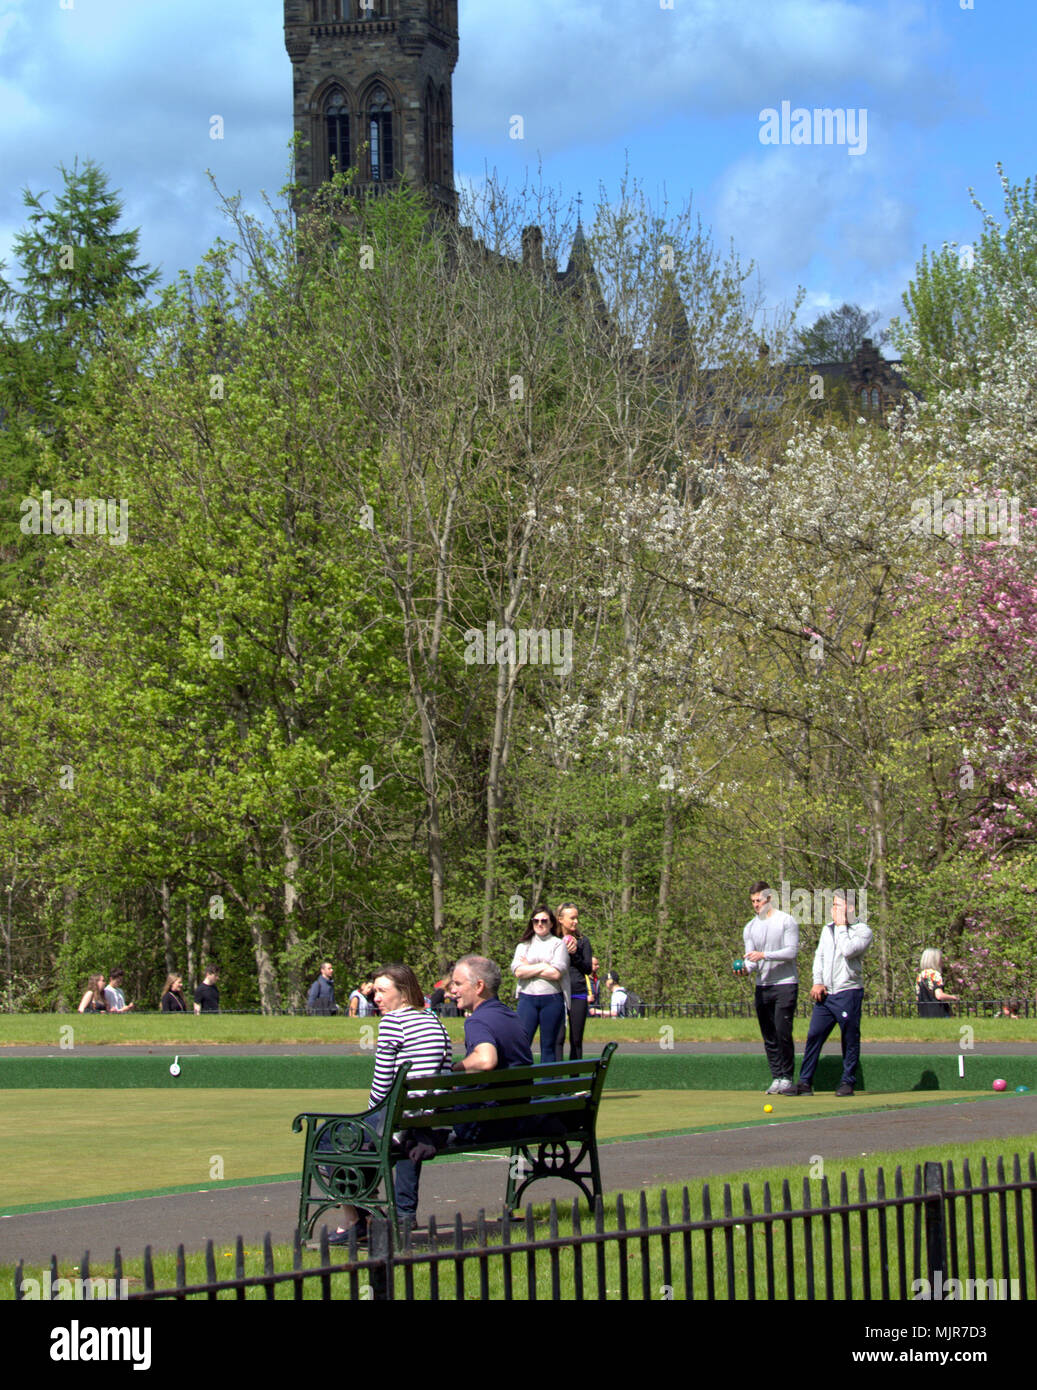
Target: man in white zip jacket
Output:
{"points": [[838, 994]]}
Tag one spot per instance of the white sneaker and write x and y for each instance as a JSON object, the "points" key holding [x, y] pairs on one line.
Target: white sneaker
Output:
{"points": [[775, 1088], [784, 1087]]}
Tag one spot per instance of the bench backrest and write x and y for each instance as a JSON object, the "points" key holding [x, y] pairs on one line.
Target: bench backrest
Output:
{"points": [[449, 1098]]}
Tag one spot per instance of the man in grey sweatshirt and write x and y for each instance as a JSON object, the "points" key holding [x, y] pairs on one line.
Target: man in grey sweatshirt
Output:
{"points": [[770, 946], [838, 993]]}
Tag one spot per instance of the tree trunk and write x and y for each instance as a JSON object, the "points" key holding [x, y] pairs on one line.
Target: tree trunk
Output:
{"points": [[262, 949], [167, 927], [293, 978], [663, 906], [877, 813]]}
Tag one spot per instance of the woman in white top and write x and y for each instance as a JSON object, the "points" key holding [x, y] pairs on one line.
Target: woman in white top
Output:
{"points": [[541, 966]]}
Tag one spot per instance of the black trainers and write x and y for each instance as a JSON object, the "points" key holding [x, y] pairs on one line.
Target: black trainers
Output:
{"points": [[845, 1089], [803, 1088]]}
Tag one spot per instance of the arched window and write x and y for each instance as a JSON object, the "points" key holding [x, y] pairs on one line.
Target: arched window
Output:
{"points": [[336, 124], [379, 135], [864, 398], [875, 397], [441, 136]]}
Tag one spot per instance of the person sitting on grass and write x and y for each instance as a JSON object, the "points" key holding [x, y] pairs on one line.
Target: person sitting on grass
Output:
{"points": [[93, 1001]]}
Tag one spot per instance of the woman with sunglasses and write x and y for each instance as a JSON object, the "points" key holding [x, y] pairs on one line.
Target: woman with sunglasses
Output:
{"points": [[541, 966]]}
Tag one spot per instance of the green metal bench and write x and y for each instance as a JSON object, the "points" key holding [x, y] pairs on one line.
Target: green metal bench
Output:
{"points": [[556, 1105]]}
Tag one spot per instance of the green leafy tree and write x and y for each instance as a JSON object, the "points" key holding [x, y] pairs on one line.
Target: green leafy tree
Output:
{"points": [[75, 266], [966, 301], [836, 336]]}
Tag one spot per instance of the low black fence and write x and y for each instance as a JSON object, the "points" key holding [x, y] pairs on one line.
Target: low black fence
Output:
{"points": [[937, 1237], [742, 1008]]}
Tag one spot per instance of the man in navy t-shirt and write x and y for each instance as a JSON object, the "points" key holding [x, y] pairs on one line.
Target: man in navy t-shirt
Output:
{"points": [[493, 1035]]}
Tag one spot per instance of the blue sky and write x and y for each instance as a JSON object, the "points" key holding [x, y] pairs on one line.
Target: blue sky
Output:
{"points": [[675, 93]]}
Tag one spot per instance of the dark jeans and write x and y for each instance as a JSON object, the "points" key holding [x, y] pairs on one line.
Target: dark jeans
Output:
{"points": [[843, 1009], [546, 1012], [775, 1010], [577, 1023]]}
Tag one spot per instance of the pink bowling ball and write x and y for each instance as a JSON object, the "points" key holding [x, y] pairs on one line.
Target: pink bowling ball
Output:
{"points": [[1000, 1085]]}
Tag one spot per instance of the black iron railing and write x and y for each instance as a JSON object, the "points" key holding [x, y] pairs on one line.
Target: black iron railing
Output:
{"points": [[934, 1237]]}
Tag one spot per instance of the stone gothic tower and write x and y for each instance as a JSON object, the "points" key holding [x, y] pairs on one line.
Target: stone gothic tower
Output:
{"points": [[372, 91]]}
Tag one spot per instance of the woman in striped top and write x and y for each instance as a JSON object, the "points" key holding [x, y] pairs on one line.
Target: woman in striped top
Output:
{"points": [[408, 1032]]}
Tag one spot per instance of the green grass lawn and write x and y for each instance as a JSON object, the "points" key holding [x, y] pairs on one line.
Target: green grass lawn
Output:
{"points": [[166, 1030], [62, 1146]]}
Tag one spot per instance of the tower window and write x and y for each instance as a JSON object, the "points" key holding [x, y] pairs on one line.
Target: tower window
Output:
{"points": [[379, 135], [336, 121]]}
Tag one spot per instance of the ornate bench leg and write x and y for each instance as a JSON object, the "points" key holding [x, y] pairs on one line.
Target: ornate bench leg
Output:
{"points": [[520, 1166]]}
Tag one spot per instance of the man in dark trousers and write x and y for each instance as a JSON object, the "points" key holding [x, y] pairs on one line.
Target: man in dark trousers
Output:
{"points": [[770, 944], [321, 998], [838, 994], [207, 995]]}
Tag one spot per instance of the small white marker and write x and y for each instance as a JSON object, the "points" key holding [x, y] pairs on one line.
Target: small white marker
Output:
{"points": [[961, 1064], [174, 1070]]}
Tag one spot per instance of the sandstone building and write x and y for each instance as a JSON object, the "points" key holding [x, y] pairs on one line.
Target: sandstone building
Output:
{"points": [[372, 88]]}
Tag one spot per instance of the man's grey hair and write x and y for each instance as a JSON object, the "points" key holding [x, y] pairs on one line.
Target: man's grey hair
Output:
{"points": [[482, 968]]}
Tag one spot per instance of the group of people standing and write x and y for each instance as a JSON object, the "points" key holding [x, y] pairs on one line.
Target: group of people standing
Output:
{"points": [[770, 947], [552, 963]]}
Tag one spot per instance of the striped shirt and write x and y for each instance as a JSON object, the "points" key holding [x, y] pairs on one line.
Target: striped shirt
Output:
{"points": [[408, 1035]]}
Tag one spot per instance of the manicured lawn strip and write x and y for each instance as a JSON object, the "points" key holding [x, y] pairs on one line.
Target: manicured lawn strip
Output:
{"points": [[622, 1257], [182, 1030], [91, 1146], [880, 1072]]}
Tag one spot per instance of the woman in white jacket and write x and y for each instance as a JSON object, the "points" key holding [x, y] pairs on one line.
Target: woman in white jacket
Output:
{"points": [[541, 966]]}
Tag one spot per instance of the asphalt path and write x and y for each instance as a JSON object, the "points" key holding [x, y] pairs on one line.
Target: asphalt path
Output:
{"points": [[465, 1186]]}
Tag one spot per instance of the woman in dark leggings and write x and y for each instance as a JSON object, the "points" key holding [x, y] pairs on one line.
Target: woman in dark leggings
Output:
{"points": [[580, 965]]}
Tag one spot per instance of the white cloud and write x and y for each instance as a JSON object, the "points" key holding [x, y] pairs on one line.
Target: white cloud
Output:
{"points": [[591, 69]]}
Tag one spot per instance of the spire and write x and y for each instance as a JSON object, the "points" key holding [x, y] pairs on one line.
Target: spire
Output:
{"points": [[671, 332]]}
